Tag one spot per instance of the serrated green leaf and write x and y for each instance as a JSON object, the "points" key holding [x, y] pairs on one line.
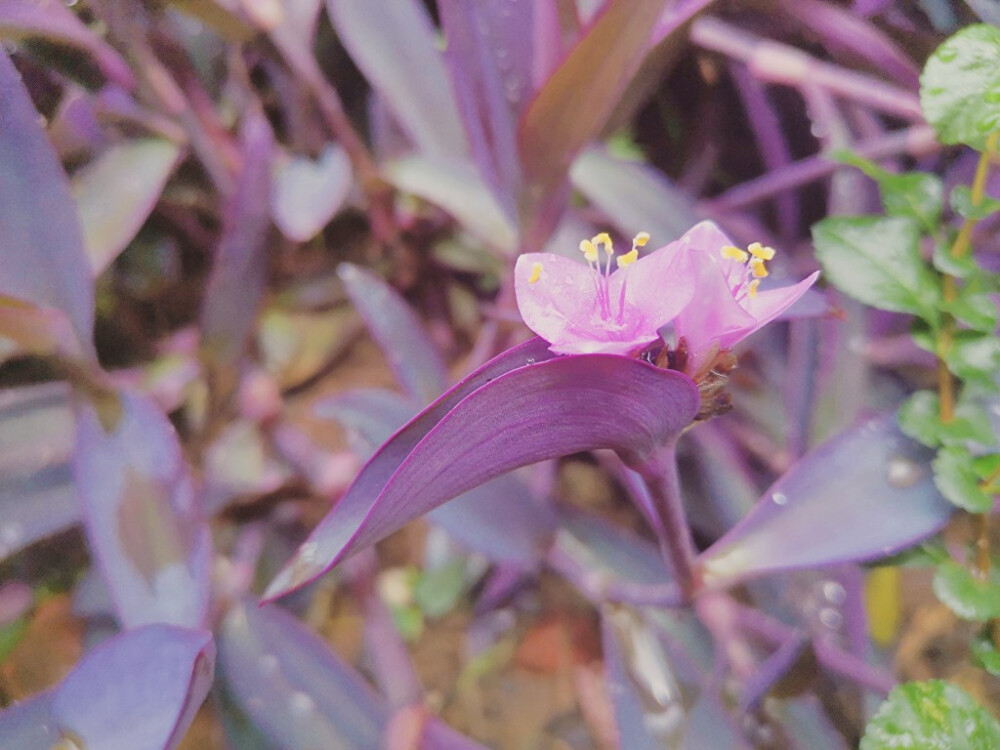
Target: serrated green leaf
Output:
{"points": [[933, 715], [914, 195], [920, 418], [974, 357], [967, 595], [985, 653], [957, 480], [961, 204], [877, 261], [972, 423], [986, 467], [975, 309], [960, 86]]}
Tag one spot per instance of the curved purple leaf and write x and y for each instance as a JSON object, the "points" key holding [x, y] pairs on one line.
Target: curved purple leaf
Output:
{"points": [[573, 105], [54, 22], [139, 690], [501, 519], [28, 725], [43, 260], [415, 362], [863, 495], [239, 271], [296, 691], [37, 494], [142, 515], [306, 193], [561, 406]]}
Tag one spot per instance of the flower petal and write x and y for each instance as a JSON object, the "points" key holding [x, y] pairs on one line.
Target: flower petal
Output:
{"points": [[767, 306], [657, 286]]}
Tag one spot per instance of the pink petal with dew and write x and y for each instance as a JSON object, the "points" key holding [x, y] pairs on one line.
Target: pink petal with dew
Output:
{"points": [[767, 306], [562, 308], [659, 285]]}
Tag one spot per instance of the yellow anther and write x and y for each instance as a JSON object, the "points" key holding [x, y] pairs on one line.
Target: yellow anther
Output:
{"points": [[759, 251], [604, 239], [757, 268], [536, 273], [752, 287], [589, 250], [640, 239], [731, 252], [628, 258]]}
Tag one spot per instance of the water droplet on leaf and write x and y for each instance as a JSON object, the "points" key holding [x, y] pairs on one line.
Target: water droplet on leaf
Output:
{"points": [[903, 472], [779, 498]]}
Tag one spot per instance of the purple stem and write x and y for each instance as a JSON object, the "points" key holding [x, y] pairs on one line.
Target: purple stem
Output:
{"points": [[831, 657], [916, 141], [659, 472], [780, 63]]}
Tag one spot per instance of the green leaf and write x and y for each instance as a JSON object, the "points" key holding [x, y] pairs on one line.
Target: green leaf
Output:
{"points": [[877, 260], [974, 357], [967, 595], [985, 653], [961, 204], [960, 86], [438, 589], [934, 715], [970, 424], [945, 262], [913, 195], [976, 309], [920, 418], [956, 478], [986, 467]]}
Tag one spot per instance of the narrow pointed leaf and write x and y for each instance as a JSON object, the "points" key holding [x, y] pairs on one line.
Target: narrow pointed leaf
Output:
{"points": [[117, 192], [293, 688], [142, 514], [575, 102], [43, 259], [37, 494], [139, 690], [399, 334], [54, 23], [546, 410], [865, 494], [489, 57], [239, 272], [392, 42], [501, 519]]}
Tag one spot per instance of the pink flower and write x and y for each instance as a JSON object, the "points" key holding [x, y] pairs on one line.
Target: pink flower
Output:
{"points": [[584, 309], [726, 306], [702, 283]]}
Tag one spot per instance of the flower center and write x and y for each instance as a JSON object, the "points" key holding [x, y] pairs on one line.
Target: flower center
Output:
{"points": [[610, 311], [746, 268]]}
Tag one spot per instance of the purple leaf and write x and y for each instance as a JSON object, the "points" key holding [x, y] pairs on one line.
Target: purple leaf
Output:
{"points": [[489, 56], [138, 690], [239, 272], [306, 194], [400, 335], [634, 196], [575, 102], [142, 514], [28, 725], [532, 413], [55, 23], [117, 192], [37, 494], [43, 260], [863, 495], [392, 42], [501, 519], [600, 546], [298, 692], [648, 704]]}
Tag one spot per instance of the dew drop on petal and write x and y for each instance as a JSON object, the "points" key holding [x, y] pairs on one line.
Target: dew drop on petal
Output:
{"points": [[301, 704], [902, 472], [834, 593], [779, 498]]}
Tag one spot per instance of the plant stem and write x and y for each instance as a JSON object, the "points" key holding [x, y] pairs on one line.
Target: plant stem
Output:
{"points": [[660, 475]]}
